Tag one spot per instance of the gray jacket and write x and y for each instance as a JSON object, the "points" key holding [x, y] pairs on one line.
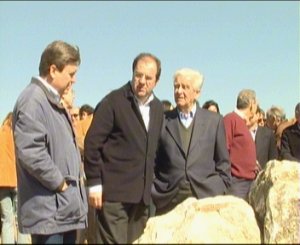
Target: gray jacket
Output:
{"points": [[46, 154]]}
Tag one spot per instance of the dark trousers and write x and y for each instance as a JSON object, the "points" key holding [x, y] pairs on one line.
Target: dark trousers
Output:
{"points": [[240, 187], [121, 222], [68, 237], [183, 193]]}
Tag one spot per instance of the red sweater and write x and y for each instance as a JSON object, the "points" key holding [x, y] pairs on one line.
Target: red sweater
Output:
{"points": [[241, 147]]}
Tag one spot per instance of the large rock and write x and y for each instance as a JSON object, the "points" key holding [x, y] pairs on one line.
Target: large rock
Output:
{"points": [[275, 196], [222, 219]]}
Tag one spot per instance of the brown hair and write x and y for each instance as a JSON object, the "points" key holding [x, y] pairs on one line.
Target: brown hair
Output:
{"points": [[60, 54], [144, 55]]}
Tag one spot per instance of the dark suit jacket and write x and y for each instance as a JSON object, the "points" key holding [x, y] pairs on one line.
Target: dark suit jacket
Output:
{"points": [[290, 143], [265, 142], [119, 152], [206, 165]]}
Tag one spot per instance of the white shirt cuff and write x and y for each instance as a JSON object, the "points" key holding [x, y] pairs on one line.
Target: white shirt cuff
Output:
{"points": [[96, 188]]}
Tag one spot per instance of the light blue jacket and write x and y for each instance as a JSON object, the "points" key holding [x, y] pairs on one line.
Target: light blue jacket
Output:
{"points": [[47, 153]]}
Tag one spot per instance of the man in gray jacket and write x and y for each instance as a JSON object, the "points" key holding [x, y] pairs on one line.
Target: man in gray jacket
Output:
{"points": [[52, 202]]}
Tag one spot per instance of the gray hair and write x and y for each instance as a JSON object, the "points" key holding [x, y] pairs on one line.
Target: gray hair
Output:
{"points": [[275, 112], [195, 77], [245, 97]]}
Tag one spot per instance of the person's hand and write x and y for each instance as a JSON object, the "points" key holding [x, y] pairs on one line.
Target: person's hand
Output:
{"points": [[65, 186], [95, 199], [258, 168]]}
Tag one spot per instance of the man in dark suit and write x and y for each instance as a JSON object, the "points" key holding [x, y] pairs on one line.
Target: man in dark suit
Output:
{"points": [[119, 153], [264, 139], [290, 140], [192, 159]]}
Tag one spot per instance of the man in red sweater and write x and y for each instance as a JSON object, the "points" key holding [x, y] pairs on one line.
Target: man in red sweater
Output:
{"points": [[240, 144]]}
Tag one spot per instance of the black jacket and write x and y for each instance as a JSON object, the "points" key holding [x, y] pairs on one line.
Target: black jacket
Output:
{"points": [[290, 143], [119, 153], [265, 142]]}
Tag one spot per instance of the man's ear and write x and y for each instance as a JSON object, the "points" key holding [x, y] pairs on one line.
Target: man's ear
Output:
{"points": [[198, 92], [52, 71]]}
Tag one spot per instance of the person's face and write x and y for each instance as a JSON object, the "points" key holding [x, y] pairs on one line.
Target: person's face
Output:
{"points": [[84, 115], [185, 95], [74, 112], [251, 113], [63, 80], [68, 97], [144, 78], [261, 120], [253, 120], [212, 108]]}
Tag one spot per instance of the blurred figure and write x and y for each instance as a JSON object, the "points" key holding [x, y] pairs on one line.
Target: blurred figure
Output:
{"points": [[261, 118], [211, 105], [74, 113], [80, 128], [264, 139], [278, 135], [67, 100], [52, 201], [85, 110], [8, 186], [275, 115], [290, 141], [192, 159], [167, 105], [240, 143]]}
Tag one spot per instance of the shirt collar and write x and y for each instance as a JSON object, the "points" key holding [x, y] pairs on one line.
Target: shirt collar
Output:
{"points": [[50, 89], [191, 114], [140, 103]]}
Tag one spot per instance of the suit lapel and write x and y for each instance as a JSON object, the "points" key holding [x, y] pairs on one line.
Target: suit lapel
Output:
{"points": [[197, 129], [173, 127]]}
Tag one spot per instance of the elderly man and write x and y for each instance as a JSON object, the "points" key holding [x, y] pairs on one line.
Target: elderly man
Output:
{"points": [[192, 159], [240, 143], [290, 140]]}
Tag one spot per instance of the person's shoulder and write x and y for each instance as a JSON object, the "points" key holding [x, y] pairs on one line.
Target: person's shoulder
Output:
{"points": [[230, 116], [265, 130], [30, 97], [291, 127]]}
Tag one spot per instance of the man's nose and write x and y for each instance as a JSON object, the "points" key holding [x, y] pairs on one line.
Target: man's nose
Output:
{"points": [[143, 79]]}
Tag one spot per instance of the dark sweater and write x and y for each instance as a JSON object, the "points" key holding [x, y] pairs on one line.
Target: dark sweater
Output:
{"points": [[241, 147]]}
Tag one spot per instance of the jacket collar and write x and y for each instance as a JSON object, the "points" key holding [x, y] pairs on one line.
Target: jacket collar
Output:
{"points": [[53, 97]]}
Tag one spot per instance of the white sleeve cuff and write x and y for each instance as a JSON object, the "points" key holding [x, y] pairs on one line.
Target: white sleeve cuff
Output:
{"points": [[96, 188]]}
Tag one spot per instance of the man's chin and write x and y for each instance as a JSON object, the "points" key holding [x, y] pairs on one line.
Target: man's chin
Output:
{"points": [[141, 95]]}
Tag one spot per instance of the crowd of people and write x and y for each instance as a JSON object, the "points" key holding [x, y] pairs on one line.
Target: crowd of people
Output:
{"points": [[96, 175]]}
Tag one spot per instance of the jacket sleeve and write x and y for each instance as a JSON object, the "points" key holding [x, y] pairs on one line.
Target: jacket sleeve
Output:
{"points": [[97, 134], [221, 154], [273, 151], [30, 137]]}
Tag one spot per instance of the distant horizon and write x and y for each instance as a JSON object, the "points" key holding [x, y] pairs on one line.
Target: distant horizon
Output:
{"points": [[236, 45]]}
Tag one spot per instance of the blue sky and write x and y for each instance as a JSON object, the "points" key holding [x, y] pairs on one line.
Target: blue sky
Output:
{"points": [[235, 44]]}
